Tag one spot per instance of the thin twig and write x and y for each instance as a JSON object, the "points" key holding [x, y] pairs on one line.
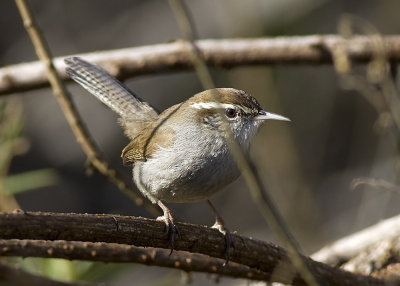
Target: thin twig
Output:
{"points": [[64, 99], [378, 84], [223, 53], [112, 252], [373, 182], [256, 186], [264, 256]]}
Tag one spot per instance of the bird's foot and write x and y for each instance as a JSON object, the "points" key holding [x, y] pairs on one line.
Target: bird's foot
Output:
{"points": [[219, 225], [170, 227]]}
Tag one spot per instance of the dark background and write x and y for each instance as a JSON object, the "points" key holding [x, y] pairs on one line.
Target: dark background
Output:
{"points": [[307, 164]]}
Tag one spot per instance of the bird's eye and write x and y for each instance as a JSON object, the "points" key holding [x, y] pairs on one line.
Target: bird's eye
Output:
{"points": [[230, 112]]}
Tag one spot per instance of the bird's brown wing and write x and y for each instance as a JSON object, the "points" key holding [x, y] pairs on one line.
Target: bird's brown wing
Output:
{"points": [[152, 138]]}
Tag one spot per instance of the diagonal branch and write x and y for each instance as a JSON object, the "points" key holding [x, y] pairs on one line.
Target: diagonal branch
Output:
{"points": [[225, 53], [264, 256], [245, 164], [71, 114]]}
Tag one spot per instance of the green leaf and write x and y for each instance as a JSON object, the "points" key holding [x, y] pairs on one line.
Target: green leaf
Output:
{"points": [[18, 183]]}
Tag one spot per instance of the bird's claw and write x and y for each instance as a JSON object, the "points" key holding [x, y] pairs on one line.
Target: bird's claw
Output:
{"points": [[228, 239], [170, 228]]}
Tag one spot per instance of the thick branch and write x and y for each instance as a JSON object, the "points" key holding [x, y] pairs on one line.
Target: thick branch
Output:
{"points": [[373, 251], [350, 246], [112, 252], [125, 63], [267, 257]]}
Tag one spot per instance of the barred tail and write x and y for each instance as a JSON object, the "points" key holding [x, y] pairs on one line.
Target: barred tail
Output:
{"points": [[108, 89]]}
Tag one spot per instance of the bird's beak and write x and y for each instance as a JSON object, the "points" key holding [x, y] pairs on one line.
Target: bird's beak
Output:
{"points": [[263, 115]]}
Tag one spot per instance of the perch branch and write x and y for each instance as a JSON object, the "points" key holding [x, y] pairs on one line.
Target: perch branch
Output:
{"points": [[224, 53], [71, 114], [264, 256]]}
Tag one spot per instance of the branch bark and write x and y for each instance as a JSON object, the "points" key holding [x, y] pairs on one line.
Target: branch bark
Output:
{"points": [[264, 256], [373, 251], [225, 53], [113, 252], [350, 246]]}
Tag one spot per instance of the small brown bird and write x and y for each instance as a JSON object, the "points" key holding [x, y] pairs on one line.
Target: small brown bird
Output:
{"points": [[180, 155]]}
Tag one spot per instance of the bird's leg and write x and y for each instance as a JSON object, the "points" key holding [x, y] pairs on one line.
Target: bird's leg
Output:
{"points": [[220, 225], [170, 227]]}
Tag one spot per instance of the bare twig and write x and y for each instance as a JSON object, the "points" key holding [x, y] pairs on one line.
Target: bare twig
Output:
{"points": [[64, 99], [112, 252], [377, 85], [253, 180], [226, 53], [16, 276], [264, 256], [373, 182]]}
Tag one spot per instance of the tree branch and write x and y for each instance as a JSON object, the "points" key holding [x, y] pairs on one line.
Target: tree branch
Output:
{"points": [[71, 114], [373, 251], [257, 189], [350, 246], [112, 252], [264, 256], [226, 53]]}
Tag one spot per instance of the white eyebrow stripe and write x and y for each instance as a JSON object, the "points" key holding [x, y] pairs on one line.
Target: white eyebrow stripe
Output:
{"points": [[211, 105], [214, 105]]}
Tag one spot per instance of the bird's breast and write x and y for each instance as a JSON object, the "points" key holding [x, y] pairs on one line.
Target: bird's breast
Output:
{"points": [[185, 174]]}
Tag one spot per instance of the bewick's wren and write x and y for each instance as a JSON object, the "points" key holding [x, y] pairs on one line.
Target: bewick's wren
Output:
{"points": [[180, 155]]}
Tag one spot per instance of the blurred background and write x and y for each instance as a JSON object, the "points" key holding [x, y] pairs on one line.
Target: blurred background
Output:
{"points": [[307, 164]]}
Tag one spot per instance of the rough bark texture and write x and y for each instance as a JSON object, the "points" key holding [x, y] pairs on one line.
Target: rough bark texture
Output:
{"points": [[113, 252], [264, 256]]}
